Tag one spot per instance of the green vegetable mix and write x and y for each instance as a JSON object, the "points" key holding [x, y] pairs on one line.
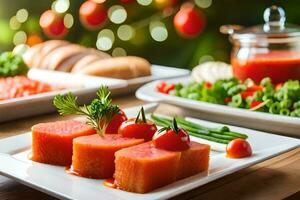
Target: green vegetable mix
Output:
{"points": [[282, 99], [12, 65]]}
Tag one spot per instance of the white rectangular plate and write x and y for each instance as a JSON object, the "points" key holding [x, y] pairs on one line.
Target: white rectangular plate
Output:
{"points": [[82, 86], [54, 181], [242, 117]]}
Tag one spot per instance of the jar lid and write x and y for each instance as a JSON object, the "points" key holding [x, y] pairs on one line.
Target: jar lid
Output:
{"points": [[273, 28]]}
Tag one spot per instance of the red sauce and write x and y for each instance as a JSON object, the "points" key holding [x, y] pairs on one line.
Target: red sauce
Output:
{"points": [[280, 66], [20, 86], [70, 170], [110, 183]]}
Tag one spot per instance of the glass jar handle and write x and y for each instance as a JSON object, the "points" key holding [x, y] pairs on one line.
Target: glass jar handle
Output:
{"points": [[274, 17]]}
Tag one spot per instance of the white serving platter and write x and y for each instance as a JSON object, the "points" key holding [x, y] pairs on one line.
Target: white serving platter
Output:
{"points": [[157, 72], [54, 181], [82, 86], [220, 113]]}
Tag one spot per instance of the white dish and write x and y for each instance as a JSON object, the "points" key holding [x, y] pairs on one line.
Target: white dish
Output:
{"points": [[54, 181], [84, 87], [251, 119]]}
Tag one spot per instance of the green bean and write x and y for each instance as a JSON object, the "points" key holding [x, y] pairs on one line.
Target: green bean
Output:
{"points": [[266, 81], [236, 89], [274, 108], [287, 103], [210, 138], [236, 101], [284, 111]]}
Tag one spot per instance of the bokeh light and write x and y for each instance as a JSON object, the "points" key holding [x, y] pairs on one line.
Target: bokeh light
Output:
{"points": [[14, 23], [117, 14], [144, 2], [126, 32], [20, 49], [20, 37], [158, 31], [118, 51], [203, 3], [22, 15], [60, 6], [68, 20], [105, 40]]}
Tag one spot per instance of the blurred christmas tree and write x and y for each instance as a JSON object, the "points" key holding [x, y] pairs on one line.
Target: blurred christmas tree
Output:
{"points": [[170, 32]]}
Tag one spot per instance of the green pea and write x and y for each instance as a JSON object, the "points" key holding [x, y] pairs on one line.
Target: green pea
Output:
{"points": [[287, 103], [174, 93], [274, 108], [297, 111], [293, 114], [284, 111]]}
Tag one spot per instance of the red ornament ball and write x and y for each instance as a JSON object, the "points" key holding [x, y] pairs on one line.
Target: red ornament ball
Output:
{"points": [[92, 15], [189, 21], [52, 24], [127, 1]]}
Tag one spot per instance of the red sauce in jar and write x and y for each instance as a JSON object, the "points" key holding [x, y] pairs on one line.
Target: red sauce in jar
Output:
{"points": [[20, 86], [280, 66]]}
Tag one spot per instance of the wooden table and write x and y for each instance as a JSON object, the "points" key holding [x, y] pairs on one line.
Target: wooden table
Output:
{"points": [[277, 178]]}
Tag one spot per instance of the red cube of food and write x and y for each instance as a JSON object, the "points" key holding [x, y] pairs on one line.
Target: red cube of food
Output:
{"points": [[194, 160], [52, 141], [94, 155], [143, 168]]}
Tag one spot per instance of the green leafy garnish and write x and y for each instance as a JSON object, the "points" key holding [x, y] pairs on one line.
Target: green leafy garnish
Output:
{"points": [[99, 112], [172, 126], [12, 65]]}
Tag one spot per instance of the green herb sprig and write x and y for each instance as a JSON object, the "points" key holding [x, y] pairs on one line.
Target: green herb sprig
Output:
{"points": [[99, 112], [12, 65]]}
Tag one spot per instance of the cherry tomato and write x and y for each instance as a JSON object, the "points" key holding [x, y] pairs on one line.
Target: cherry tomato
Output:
{"points": [[160, 86], [255, 103], [168, 88], [52, 24], [138, 130], [92, 14], [172, 141], [189, 20], [208, 85], [255, 88], [115, 123], [238, 148]]}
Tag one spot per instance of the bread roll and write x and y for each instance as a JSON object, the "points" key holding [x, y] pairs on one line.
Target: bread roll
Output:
{"points": [[84, 62], [48, 47], [33, 54], [119, 67], [59, 55]]}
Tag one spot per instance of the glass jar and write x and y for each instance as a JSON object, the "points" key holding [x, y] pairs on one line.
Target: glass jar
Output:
{"points": [[268, 50]]}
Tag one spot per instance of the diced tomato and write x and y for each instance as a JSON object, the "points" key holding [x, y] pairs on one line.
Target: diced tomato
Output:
{"points": [[168, 88], [255, 103], [160, 86], [208, 85], [227, 99], [246, 94], [255, 88], [278, 86]]}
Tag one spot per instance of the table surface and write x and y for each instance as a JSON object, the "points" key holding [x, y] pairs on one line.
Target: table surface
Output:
{"points": [[276, 178]]}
